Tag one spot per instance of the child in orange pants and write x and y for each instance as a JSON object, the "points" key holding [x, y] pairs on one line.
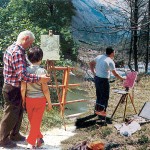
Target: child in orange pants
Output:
{"points": [[34, 96]]}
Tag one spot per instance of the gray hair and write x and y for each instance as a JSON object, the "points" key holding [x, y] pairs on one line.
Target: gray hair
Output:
{"points": [[25, 33]]}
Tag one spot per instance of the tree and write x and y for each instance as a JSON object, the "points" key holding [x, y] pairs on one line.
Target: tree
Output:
{"points": [[39, 16], [4, 3]]}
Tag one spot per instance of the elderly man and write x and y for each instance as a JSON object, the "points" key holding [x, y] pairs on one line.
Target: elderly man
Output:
{"points": [[101, 67], [14, 72]]}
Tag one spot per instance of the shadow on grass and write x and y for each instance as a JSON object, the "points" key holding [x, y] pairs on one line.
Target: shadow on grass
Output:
{"points": [[92, 120]]}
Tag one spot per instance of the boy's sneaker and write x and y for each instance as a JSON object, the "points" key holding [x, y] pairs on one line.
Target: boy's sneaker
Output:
{"points": [[40, 142], [29, 146]]}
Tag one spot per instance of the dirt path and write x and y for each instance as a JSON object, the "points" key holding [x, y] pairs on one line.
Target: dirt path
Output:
{"points": [[52, 138]]}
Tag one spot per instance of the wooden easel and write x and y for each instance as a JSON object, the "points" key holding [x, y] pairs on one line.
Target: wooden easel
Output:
{"points": [[63, 88], [124, 98]]}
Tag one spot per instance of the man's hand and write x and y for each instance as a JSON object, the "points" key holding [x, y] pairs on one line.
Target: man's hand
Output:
{"points": [[92, 67], [24, 105], [44, 79], [124, 78]]}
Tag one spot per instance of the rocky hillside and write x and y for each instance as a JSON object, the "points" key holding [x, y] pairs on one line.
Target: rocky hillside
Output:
{"points": [[95, 22]]}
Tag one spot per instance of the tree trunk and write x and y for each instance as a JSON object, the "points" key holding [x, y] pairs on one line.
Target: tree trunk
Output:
{"points": [[135, 34], [148, 39], [131, 50]]}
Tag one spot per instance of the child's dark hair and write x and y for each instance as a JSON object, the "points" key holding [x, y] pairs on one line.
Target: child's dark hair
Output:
{"points": [[35, 54], [109, 50]]}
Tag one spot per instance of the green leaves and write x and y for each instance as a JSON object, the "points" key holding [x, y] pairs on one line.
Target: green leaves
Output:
{"points": [[39, 16]]}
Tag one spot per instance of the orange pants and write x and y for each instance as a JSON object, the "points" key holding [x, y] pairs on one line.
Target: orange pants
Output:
{"points": [[35, 109]]}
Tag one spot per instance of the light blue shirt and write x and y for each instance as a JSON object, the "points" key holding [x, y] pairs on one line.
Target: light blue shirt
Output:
{"points": [[34, 90], [104, 65]]}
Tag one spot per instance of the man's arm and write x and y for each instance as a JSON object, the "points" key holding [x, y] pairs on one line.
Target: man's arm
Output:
{"points": [[92, 67], [117, 75], [19, 64], [47, 95], [23, 92]]}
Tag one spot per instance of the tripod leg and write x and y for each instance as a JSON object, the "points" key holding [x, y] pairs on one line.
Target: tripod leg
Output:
{"points": [[126, 99], [121, 99], [132, 103]]}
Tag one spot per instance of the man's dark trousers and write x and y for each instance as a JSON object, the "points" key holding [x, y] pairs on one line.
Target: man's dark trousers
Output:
{"points": [[13, 112], [102, 93]]}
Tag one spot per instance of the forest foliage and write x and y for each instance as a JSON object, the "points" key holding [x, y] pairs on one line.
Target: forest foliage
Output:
{"points": [[39, 16]]}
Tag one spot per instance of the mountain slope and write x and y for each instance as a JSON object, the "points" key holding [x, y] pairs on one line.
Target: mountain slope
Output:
{"points": [[94, 22]]}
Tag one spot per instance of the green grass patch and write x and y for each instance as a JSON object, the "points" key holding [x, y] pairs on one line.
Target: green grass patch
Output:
{"points": [[106, 131], [143, 139]]}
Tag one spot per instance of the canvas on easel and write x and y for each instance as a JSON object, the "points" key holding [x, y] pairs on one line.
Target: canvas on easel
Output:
{"points": [[130, 79], [51, 47]]}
